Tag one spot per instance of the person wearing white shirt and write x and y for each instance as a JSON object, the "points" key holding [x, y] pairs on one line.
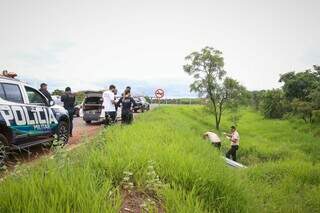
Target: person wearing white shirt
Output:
{"points": [[109, 105], [213, 138], [234, 138]]}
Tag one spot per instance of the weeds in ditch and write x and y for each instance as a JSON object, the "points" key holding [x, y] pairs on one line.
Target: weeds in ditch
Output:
{"points": [[186, 172]]}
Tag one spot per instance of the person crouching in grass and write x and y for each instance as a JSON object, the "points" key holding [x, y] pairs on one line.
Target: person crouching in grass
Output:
{"points": [[234, 138], [213, 138]]}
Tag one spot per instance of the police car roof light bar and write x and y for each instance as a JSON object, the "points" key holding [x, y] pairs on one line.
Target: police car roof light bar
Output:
{"points": [[7, 74]]}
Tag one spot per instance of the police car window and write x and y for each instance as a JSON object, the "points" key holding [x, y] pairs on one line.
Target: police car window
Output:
{"points": [[2, 94], [12, 93], [35, 97]]}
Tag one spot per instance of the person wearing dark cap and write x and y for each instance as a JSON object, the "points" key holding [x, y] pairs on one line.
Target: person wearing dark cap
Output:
{"points": [[68, 99], [44, 90]]}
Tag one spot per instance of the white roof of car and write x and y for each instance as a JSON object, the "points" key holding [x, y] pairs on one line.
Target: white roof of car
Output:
{"points": [[8, 80]]}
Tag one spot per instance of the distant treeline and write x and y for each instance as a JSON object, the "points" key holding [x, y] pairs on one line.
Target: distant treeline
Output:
{"points": [[299, 97]]}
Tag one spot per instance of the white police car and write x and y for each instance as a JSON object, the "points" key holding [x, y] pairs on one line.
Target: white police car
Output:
{"points": [[27, 118]]}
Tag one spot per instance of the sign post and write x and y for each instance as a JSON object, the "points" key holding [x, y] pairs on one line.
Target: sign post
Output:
{"points": [[159, 93]]}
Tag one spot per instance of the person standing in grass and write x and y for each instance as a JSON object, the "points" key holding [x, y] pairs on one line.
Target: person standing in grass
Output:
{"points": [[213, 138], [234, 137], [109, 105], [127, 103]]}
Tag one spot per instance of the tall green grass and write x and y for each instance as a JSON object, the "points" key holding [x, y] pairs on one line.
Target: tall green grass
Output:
{"points": [[283, 173]]}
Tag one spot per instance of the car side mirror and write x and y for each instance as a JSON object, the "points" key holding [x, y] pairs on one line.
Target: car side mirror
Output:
{"points": [[51, 103]]}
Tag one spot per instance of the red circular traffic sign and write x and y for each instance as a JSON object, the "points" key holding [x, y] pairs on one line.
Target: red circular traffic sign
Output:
{"points": [[159, 93]]}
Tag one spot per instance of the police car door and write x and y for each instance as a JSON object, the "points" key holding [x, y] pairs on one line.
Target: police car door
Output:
{"points": [[13, 110], [37, 113]]}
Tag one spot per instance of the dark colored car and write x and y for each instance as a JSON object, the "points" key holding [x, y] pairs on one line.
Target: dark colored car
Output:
{"points": [[27, 118], [142, 104]]}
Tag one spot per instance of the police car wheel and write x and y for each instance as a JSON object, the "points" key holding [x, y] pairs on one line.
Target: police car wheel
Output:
{"points": [[3, 151], [63, 132]]}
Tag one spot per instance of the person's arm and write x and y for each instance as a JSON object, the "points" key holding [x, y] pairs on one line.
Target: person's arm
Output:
{"points": [[62, 98], [119, 102], [228, 135], [133, 102], [49, 97], [111, 96], [73, 99]]}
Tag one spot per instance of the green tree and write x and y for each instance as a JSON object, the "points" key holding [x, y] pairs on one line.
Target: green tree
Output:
{"points": [[206, 67], [302, 109], [300, 85], [302, 90], [273, 104], [237, 96], [257, 99], [315, 103], [57, 92]]}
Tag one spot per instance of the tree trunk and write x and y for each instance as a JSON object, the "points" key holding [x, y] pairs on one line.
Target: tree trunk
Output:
{"points": [[217, 125]]}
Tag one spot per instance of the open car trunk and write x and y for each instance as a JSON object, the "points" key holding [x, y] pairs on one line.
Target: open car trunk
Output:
{"points": [[93, 102]]}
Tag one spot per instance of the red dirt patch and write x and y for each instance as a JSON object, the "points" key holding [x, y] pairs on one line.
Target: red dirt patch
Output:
{"points": [[136, 201]]}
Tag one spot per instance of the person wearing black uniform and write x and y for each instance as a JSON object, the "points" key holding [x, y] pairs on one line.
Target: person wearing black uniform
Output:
{"points": [[44, 90], [127, 103], [69, 100]]}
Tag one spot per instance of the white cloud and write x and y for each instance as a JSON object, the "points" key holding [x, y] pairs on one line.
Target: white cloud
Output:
{"points": [[83, 43]]}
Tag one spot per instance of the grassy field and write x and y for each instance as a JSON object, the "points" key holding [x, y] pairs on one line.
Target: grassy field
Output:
{"points": [[163, 156]]}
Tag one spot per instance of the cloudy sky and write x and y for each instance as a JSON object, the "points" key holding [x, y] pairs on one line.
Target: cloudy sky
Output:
{"points": [[83, 43]]}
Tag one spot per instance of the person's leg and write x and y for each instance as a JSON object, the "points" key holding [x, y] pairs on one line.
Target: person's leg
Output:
{"points": [[234, 153], [219, 145], [114, 115], [70, 112], [123, 117], [127, 119], [229, 153], [107, 119], [130, 118]]}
